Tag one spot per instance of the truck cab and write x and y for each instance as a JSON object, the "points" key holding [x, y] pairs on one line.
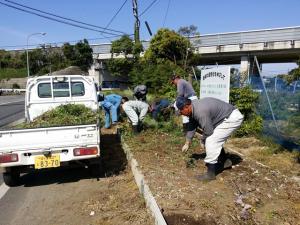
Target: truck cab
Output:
{"points": [[47, 92]]}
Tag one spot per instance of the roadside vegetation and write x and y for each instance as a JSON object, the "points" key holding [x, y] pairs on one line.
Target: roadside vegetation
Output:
{"points": [[63, 115], [45, 59]]}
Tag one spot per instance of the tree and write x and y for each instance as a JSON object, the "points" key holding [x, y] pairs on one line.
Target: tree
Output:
{"points": [[37, 61], [9, 60], [168, 45], [81, 54], [69, 52], [295, 73], [119, 67], [54, 59], [156, 76], [188, 31], [123, 45], [84, 55]]}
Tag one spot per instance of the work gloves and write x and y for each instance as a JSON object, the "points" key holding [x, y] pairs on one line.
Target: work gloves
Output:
{"points": [[186, 146]]}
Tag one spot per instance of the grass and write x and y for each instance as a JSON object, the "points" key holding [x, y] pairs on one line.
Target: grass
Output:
{"points": [[272, 147], [128, 93], [9, 73], [264, 150]]}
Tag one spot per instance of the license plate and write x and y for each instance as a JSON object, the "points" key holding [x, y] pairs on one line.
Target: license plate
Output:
{"points": [[41, 162]]}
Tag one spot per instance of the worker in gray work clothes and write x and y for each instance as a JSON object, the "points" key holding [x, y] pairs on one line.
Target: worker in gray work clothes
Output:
{"points": [[184, 89], [218, 120], [140, 92], [136, 111]]}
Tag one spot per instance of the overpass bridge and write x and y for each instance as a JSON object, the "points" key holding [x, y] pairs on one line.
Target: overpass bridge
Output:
{"points": [[277, 45]]}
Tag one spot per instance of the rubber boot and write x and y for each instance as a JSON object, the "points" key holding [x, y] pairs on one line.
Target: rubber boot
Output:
{"points": [[224, 161], [135, 129], [140, 127], [210, 174]]}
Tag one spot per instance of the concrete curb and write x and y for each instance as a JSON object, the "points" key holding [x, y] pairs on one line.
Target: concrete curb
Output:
{"points": [[143, 186]]}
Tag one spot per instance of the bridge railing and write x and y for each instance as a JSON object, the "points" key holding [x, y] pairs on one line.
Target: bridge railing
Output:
{"points": [[245, 37], [233, 38]]}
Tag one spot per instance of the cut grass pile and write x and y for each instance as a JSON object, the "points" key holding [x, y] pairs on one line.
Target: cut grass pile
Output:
{"points": [[64, 115]]}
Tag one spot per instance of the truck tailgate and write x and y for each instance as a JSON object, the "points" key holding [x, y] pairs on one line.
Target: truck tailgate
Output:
{"points": [[43, 138]]}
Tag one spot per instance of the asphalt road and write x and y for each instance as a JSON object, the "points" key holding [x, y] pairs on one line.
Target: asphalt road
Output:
{"points": [[71, 196], [36, 190], [11, 109]]}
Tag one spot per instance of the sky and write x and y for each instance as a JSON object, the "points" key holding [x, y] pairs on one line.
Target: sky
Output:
{"points": [[212, 16]]}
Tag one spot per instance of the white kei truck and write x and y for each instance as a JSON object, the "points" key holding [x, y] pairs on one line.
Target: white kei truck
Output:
{"points": [[22, 150]]}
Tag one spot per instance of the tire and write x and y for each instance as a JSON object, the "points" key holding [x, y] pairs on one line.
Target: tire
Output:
{"points": [[11, 178], [96, 169]]}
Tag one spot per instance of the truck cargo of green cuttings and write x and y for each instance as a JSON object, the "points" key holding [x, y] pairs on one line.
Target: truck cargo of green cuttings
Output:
{"points": [[64, 115]]}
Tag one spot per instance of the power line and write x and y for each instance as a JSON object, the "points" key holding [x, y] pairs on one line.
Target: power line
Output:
{"points": [[147, 8], [166, 13], [65, 18], [57, 20], [111, 20], [55, 43]]}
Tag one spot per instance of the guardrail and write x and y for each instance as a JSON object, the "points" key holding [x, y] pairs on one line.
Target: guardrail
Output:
{"points": [[14, 90]]}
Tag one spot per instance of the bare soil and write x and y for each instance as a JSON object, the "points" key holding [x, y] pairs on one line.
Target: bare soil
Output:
{"points": [[252, 192]]}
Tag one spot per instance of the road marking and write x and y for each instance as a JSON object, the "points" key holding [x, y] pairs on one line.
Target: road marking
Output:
{"points": [[6, 103], [3, 189]]}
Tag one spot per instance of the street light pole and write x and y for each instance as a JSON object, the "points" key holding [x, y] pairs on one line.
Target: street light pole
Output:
{"points": [[27, 57]]}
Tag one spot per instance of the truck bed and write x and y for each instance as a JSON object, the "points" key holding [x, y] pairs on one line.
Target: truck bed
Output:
{"points": [[28, 143]]}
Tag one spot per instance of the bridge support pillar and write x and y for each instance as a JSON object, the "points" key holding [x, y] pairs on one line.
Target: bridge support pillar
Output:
{"points": [[245, 67], [248, 68]]}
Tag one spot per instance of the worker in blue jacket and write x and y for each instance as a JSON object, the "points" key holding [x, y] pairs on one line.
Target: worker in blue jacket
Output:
{"points": [[158, 106], [111, 106]]}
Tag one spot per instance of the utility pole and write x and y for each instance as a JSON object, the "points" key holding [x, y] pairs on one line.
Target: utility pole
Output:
{"points": [[137, 22]]}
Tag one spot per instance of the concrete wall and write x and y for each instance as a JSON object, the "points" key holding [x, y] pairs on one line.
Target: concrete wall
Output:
{"points": [[105, 79], [8, 83]]}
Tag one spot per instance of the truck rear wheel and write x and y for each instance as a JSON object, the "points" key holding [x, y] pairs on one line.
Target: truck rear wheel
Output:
{"points": [[11, 178], [96, 169]]}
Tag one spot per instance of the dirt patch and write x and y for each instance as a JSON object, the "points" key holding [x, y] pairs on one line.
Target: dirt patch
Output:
{"points": [[182, 219], [284, 161], [119, 202], [249, 193]]}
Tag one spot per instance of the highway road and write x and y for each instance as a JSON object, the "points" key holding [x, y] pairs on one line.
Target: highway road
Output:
{"points": [[11, 109]]}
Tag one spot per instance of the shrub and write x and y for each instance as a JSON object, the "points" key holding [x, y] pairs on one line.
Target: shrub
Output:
{"points": [[15, 86], [245, 99], [155, 76]]}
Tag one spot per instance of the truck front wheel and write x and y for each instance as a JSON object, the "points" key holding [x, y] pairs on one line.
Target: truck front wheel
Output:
{"points": [[11, 178]]}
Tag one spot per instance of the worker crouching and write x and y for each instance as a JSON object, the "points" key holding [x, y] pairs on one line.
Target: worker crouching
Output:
{"points": [[136, 111], [218, 120]]}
